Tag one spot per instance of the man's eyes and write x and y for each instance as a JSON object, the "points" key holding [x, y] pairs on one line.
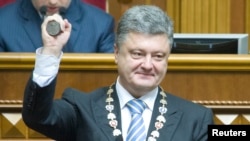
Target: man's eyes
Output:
{"points": [[137, 55], [158, 56]]}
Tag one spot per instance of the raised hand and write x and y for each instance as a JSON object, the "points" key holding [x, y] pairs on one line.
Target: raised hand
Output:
{"points": [[52, 45]]}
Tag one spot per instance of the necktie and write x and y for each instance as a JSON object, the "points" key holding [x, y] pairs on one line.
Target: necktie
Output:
{"points": [[136, 130]]}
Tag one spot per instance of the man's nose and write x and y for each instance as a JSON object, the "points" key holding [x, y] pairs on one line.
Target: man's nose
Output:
{"points": [[147, 62], [53, 2]]}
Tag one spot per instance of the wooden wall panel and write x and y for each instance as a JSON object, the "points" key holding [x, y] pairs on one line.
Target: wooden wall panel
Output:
{"points": [[161, 3], [247, 22], [223, 16], [238, 18], [212, 10], [196, 16], [173, 10], [194, 85], [195, 77], [214, 15], [247, 11], [186, 16], [198, 21], [117, 7], [205, 13]]}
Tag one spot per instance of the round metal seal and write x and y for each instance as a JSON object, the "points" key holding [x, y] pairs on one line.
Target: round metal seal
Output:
{"points": [[53, 28]]}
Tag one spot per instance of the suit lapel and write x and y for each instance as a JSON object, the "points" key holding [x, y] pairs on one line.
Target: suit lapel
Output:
{"points": [[101, 113], [31, 22], [172, 116], [33, 31], [74, 15]]}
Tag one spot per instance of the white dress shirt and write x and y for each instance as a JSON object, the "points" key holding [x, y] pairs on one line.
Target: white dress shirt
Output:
{"points": [[46, 68]]}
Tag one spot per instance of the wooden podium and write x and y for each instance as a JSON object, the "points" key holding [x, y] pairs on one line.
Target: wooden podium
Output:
{"points": [[220, 82]]}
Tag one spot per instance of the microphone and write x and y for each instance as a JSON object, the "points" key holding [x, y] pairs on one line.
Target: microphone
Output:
{"points": [[43, 11], [62, 11], [53, 27]]}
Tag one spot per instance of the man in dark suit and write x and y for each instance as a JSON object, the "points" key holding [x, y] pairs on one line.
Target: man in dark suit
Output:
{"points": [[143, 46], [20, 26]]}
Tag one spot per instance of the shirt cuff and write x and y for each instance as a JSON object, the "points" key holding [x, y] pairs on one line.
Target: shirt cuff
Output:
{"points": [[46, 68]]}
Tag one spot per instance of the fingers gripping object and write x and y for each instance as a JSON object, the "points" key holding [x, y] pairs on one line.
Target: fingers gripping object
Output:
{"points": [[53, 27]]}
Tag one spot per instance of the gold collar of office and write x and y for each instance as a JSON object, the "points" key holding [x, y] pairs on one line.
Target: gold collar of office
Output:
{"points": [[160, 119]]}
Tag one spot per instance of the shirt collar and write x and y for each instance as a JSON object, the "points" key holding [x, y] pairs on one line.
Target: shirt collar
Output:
{"points": [[124, 96]]}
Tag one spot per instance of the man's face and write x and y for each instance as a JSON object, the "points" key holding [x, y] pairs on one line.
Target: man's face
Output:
{"points": [[142, 61], [53, 6]]}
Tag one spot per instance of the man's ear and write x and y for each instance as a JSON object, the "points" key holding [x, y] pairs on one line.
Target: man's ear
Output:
{"points": [[116, 52]]}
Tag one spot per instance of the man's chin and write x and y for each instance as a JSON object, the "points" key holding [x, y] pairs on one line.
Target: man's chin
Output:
{"points": [[143, 85], [145, 80]]}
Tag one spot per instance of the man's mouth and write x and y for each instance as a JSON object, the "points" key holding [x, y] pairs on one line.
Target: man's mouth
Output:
{"points": [[52, 10]]}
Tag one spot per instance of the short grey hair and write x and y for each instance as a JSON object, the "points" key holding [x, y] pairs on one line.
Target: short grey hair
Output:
{"points": [[146, 19]]}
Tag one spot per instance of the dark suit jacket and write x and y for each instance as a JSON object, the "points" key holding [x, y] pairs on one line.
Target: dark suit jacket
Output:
{"points": [[20, 28], [82, 117]]}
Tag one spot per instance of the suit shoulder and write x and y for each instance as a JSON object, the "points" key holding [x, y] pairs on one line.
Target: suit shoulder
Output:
{"points": [[70, 93], [8, 10], [184, 103]]}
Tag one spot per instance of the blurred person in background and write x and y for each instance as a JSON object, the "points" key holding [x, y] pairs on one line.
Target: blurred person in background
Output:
{"points": [[20, 26]]}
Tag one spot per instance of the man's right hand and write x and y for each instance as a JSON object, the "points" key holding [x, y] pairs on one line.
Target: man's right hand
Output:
{"points": [[52, 45]]}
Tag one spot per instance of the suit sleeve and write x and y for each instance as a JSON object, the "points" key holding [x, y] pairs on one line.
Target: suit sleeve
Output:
{"points": [[53, 118], [207, 120]]}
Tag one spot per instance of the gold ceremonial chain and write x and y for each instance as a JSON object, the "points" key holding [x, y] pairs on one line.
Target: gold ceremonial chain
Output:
{"points": [[159, 123]]}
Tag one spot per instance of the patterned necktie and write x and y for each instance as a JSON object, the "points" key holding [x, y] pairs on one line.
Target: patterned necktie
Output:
{"points": [[136, 130]]}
